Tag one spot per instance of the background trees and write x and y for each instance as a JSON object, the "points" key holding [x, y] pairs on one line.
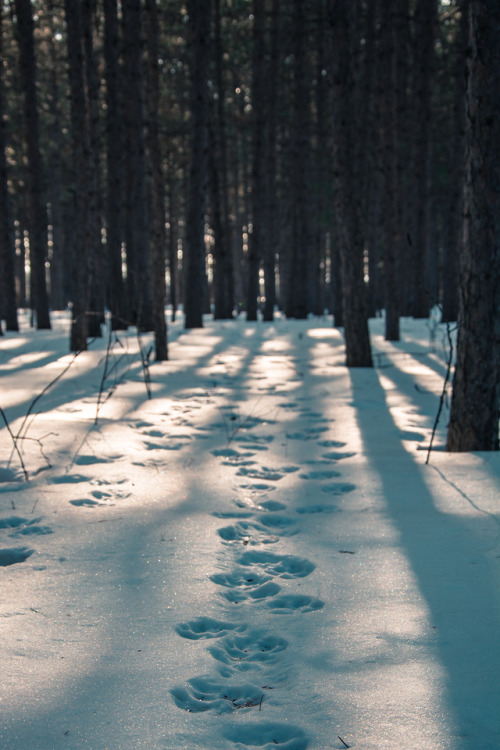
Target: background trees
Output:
{"points": [[233, 156]]}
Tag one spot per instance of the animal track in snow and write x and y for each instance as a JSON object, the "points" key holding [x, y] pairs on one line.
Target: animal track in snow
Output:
{"points": [[85, 502], [310, 433], [206, 694], [206, 627], [271, 505], [338, 455], [13, 555], [326, 474], [285, 566], [331, 443], [88, 460], [338, 488], [245, 532], [267, 474], [258, 487], [267, 736], [289, 603], [232, 514], [259, 593], [28, 528], [250, 650], [280, 523], [318, 508]]}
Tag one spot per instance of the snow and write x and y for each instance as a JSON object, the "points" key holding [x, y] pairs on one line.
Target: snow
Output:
{"points": [[256, 557]]}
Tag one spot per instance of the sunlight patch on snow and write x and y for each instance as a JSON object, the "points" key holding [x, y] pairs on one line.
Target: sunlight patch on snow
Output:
{"points": [[324, 333]]}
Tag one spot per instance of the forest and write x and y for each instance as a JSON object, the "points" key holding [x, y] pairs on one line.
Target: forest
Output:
{"points": [[227, 157], [276, 523]]}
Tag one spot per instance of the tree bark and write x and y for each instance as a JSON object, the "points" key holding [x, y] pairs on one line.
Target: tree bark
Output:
{"points": [[474, 417], [8, 310], [157, 192], [348, 201], [37, 210]]}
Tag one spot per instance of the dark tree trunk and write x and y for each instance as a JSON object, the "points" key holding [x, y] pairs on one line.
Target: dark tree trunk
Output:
{"points": [[136, 220], [347, 169], [301, 257], [474, 418], [454, 210], [256, 237], [388, 166], [271, 239], [195, 275], [8, 310], [82, 231], [114, 149], [158, 233], [37, 211], [223, 270], [425, 22]]}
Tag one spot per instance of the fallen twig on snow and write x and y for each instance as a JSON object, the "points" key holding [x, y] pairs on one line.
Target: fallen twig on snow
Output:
{"points": [[444, 391]]}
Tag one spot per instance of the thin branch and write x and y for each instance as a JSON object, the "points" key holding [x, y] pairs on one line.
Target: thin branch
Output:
{"points": [[445, 389], [14, 441]]}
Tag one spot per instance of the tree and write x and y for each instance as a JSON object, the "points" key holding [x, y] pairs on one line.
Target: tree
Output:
{"points": [[114, 169], [7, 281], [474, 417], [37, 209], [157, 197], [195, 276], [348, 158], [136, 203]]}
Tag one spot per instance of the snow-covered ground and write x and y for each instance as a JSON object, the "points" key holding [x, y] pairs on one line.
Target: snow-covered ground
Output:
{"points": [[256, 557]]}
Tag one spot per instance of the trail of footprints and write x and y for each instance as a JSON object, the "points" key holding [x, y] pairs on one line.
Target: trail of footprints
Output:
{"points": [[251, 658]]}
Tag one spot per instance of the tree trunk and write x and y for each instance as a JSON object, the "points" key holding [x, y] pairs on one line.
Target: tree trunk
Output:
{"points": [[114, 149], [425, 22], [454, 209], [136, 220], [301, 256], [37, 211], [195, 275], [474, 417], [256, 236], [8, 310], [347, 164], [158, 233], [82, 234]]}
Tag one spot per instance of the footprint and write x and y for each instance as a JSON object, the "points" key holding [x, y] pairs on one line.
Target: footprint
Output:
{"points": [[231, 514], [241, 578], [206, 627], [91, 459], [289, 603], [70, 479], [29, 528], [85, 502], [285, 566], [267, 736], [338, 488], [267, 590], [14, 555], [338, 455], [12, 522], [317, 509], [206, 694], [245, 532], [268, 474], [281, 523], [244, 652], [327, 474], [331, 443], [271, 505], [258, 487]]}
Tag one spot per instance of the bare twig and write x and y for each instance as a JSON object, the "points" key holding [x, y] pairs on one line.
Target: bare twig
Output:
{"points": [[14, 442], [342, 741], [445, 389]]}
